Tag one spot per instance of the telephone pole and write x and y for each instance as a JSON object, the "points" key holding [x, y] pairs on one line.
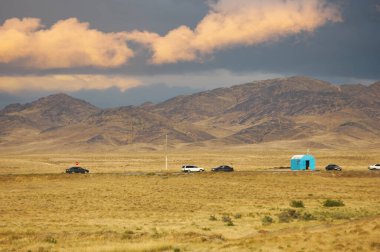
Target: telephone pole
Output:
{"points": [[166, 151]]}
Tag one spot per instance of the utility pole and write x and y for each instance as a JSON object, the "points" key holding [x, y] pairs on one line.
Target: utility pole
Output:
{"points": [[131, 131], [166, 152]]}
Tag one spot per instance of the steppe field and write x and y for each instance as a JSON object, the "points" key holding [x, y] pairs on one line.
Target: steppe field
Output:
{"points": [[130, 202]]}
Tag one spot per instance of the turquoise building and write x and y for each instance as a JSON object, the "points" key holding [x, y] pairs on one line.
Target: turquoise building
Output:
{"points": [[302, 163]]}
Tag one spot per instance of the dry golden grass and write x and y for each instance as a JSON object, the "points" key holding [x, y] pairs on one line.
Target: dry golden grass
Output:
{"points": [[159, 211], [242, 158]]}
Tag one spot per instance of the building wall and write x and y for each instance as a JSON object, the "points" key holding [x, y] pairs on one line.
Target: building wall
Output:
{"points": [[300, 164]]}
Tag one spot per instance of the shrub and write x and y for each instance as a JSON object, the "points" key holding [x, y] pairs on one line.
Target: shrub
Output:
{"points": [[267, 220], [251, 215], [156, 234], [308, 217], [237, 216], [50, 239], [230, 223], [288, 215], [333, 203], [212, 218], [127, 235], [338, 215], [284, 217], [297, 204], [227, 220]]}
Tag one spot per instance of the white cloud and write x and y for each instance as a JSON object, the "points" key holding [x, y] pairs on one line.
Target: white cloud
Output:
{"points": [[67, 44], [71, 83], [232, 23], [65, 83], [70, 43]]}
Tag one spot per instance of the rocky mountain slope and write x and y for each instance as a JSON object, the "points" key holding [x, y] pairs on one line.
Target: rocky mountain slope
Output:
{"points": [[293, 109]]}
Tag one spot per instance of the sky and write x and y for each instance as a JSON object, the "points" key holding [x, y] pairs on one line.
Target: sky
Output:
{"points": [[130, 49]]}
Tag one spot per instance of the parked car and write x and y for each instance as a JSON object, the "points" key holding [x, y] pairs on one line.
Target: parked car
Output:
{"points": [[374, 167], [77, 169], [223, 168], [333, 167], [192, 168]]}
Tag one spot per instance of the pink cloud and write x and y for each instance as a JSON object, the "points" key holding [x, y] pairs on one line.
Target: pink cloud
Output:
{"points": [[232, 23], [68, 43]]}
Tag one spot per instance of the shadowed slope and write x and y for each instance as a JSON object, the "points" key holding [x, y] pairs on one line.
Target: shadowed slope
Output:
{"points": [[295, 109]]}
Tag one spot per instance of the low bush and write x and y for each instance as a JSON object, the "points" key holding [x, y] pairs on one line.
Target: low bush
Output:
{"points": [[288, 215], [212, 218], [237, 216], [155, 234], [267, 220], [333, 203], [50, 239], [227, 220], [230, 223], [308, 217], [337, 215], [297, 204], [127, 235]]}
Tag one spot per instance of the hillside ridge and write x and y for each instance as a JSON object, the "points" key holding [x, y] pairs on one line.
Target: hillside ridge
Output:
{"points": [[295, 109]]}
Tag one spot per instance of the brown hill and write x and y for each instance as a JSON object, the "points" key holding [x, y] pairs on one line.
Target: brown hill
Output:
{"points": [[62, 121], [52, 111], [278, 97], [295, 109]]}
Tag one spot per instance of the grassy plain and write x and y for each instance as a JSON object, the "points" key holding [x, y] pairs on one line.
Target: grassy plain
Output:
{"points": [[130, 203], [140, 160]]}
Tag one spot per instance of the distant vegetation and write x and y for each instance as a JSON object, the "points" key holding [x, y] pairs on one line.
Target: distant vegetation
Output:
{"points": [[297, 204], [266, 220], [333, 203]]}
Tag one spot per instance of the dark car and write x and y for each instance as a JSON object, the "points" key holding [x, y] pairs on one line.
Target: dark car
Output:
{"points": [[333, 167], [223, 168], [77, 170]]}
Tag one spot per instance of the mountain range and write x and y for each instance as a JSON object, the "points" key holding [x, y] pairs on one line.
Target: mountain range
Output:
{"points": [[299, 110]]}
